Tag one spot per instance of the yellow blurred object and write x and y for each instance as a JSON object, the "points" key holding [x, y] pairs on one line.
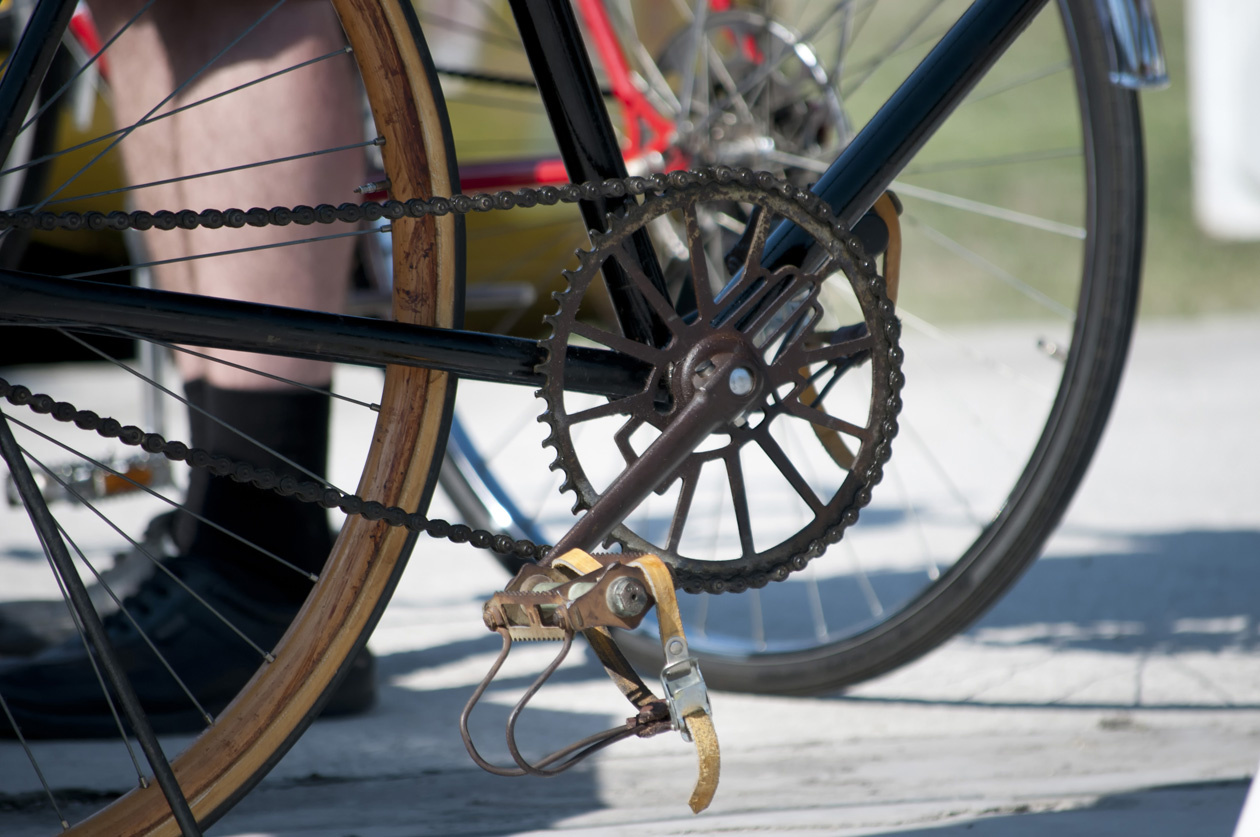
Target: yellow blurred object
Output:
{"points": [[103, 175]]}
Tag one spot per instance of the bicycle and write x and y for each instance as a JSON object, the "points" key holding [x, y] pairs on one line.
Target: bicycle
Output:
{"points": [[224, 762]]}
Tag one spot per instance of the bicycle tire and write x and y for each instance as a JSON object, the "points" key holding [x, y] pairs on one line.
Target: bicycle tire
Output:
{"points": [[226, 760], [1033, 504]]}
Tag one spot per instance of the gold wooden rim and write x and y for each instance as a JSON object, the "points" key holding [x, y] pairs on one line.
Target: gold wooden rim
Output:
{"points": [[276, 701]]}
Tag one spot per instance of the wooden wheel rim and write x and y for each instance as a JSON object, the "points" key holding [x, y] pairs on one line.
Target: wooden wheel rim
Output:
{"points": [[275, 705]]}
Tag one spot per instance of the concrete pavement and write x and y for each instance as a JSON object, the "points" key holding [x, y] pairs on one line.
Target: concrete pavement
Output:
{"points": [[1116, 690]]}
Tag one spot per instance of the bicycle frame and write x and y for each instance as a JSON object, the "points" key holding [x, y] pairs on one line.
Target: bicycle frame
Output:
{"points": [[590, 151]]}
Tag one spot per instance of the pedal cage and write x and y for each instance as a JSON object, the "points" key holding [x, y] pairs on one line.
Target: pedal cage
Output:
{"points": [[651, 720], [594, 595], [542, 608]]}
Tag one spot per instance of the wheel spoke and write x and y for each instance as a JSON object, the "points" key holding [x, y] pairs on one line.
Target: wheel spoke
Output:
{"points": [[149, 120], [897, 46], [434, 21], [992, 270], [989, 211], [141, 781], [757, 618], [197, 175], [90, 62], [39, 773], [873, 602], [1019, 82], [964, 164], [139, 486], [127, 132], [85, 274]]}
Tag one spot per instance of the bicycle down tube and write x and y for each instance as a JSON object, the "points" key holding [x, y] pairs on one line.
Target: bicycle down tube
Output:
{"points": [[859, 174]]}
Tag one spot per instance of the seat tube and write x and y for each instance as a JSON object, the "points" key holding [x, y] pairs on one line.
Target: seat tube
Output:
{"points": [[26, 67], [575, 107]]}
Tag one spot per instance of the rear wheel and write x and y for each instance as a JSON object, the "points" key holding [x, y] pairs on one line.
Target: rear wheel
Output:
{"points": [[398, 450]]}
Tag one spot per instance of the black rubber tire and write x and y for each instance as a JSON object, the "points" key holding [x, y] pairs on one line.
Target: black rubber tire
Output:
{"points": [[1013, 540]]}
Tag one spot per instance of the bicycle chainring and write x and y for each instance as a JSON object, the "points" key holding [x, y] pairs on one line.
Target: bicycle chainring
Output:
{"points": [[825, 338]]}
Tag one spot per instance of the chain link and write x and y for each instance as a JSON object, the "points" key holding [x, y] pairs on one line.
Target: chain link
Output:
{"points": [[310, 491], [354, 213], [265, 479]]}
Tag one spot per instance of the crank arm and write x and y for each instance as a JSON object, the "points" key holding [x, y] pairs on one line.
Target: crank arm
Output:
{"points": [[729, 387]]}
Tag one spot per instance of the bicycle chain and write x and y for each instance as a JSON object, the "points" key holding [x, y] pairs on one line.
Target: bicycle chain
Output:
{"points": [[371, 211], [310, 491]]}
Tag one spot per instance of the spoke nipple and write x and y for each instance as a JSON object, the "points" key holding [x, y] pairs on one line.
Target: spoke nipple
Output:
{"points": [[626, 597], [1052, 349], [384, 228], [741, 381], [372, 186]]}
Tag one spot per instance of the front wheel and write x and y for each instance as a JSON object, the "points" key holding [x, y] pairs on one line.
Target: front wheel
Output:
{"points": [[1022, 230]]}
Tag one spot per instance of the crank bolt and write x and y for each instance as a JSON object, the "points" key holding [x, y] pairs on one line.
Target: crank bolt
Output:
{"points": [[626, 597], [741, 381]]}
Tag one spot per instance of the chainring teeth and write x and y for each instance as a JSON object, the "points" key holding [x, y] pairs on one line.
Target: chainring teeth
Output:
{"points": [[785, 200]]}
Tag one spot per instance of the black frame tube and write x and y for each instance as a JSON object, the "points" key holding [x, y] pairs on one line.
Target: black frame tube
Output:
{"points": [[55, 547], [588, 146], [28, 64], [868, 165], [270, 329]]}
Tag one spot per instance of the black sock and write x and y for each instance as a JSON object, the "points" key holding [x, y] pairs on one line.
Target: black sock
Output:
{"points": [[294, 424], [185, 526]]}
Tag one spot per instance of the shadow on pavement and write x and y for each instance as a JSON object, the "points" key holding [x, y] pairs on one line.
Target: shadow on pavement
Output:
{"points": [[1208, 809], [1182, 591]]}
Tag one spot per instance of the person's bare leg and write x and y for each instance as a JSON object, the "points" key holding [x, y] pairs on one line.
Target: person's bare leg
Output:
{"points": [[315, 108]]}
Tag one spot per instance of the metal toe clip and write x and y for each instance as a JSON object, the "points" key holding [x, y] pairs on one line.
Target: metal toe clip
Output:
{"points": [[685, 692]]}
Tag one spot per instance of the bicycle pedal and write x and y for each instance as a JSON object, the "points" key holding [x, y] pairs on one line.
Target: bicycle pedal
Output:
{"points": [[579, 592], [84, 481], [614, 596]]}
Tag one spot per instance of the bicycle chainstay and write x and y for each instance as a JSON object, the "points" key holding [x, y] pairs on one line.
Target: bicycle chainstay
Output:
{"points": [[311, 491]]}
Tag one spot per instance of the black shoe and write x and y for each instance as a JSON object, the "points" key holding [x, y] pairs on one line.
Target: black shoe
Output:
{"points": [[57, 694], [28, 627]]}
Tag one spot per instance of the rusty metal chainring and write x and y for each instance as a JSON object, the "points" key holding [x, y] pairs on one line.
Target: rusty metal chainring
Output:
{"points": [[806, 352]]}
